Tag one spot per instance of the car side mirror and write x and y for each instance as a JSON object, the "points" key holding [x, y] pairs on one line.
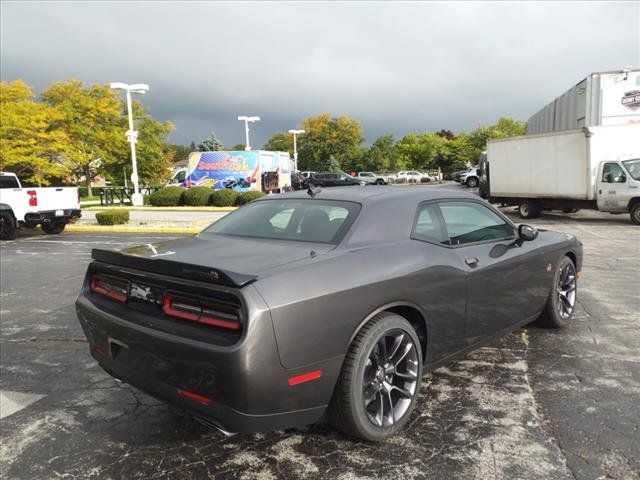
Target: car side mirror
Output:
{"points": [[527, 233]]}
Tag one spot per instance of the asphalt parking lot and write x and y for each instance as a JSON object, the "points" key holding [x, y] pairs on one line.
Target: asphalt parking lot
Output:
{"points": [[536, 404]]}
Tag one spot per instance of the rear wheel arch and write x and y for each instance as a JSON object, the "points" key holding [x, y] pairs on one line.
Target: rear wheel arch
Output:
{"points": [[410, 312], [4, 208], [572, 257]]}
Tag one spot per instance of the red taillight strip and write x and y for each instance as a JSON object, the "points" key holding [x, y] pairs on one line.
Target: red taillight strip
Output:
{"points": [[169, 301], [103, 291], [305, 377], [195, 396], [216, 322], [169, 310]]}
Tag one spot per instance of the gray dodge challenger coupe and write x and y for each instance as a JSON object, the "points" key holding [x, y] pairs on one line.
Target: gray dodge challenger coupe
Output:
{"points": [[334, 301]]}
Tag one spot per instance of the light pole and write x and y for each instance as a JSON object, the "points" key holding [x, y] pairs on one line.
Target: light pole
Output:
{"points": [[247, 120], [295, 147], [132, 135]]}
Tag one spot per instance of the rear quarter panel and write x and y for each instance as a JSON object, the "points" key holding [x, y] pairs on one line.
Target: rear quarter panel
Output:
{"points": [[316, 309]]}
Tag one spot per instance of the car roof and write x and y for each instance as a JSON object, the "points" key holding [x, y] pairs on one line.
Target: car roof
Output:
{"points": [[369, 193]]}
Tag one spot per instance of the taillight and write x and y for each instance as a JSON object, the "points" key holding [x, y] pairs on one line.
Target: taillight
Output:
{"points": [[33, 198], [109, 287], [201, 312]]}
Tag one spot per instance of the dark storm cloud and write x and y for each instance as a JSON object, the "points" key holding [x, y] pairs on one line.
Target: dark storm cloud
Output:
{"points": [[396, 67]]}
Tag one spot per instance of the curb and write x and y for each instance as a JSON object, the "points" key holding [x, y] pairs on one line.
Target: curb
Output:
{"points": [[160, 209], [127, 229]]}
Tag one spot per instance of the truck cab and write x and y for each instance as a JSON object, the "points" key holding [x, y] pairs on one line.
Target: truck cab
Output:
{"points": [[618, 187]]}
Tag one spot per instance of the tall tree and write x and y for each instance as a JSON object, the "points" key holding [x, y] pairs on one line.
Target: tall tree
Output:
{"points": [[155, 157], [382, 155], [181, 151], [329, 142], [211, 144], [31, 143], [92, 119], [280, 142], [504, 127]]}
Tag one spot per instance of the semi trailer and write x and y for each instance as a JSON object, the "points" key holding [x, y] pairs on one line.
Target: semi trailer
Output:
{"points": [[601, 98], [588, 168]]}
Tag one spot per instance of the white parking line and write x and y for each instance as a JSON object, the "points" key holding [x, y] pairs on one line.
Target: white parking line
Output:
{"points": [[12, 402]]}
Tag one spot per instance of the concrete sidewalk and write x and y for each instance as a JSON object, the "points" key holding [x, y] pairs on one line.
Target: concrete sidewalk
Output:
{"points": [[151, 221]]}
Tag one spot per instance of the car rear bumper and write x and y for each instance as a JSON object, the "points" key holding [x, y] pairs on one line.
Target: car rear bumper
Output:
{"points": [[238, 388]]}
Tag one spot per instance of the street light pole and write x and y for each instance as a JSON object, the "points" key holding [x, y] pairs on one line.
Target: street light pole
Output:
{"points": [[247, 120], [132, 135], [295, 147]]}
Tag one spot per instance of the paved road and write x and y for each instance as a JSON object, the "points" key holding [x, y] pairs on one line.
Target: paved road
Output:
{"points": [[536, 404]]}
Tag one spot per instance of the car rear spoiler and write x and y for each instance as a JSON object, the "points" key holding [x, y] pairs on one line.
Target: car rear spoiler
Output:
{"points": [[173, 269]]}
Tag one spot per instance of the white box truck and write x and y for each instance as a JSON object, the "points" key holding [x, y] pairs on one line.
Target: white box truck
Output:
{"points": [[590, 168]]}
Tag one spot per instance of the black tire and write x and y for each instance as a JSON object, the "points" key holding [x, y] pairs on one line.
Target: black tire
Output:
{"points": [[634, 213], [571, 210], [528, 209], [379, 182], [7, 226], [558, 311], [365, 372], [472, 182], [53, 228]]}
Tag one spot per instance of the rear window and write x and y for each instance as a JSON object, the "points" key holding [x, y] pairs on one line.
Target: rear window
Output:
{"points": [[320, 221], [8, 181]]}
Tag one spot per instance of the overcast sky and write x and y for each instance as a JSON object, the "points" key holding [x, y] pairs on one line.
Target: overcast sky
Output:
{"points": [[396, 67]]}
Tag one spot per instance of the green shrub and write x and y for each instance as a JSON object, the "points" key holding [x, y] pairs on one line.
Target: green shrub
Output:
{"points": [[196, 196], [114, 216], [146, 200], [247, 197], [223, 198], [166, 197]]}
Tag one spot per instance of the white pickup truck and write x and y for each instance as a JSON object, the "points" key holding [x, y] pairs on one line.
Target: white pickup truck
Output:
{"points": [[51, 208]]}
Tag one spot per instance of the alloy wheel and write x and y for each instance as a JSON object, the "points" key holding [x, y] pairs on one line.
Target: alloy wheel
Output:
{"points": [[566, 290], [390, 378]]}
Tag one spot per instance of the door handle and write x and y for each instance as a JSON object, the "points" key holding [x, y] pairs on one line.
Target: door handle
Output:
{"points": [[471, 261]]}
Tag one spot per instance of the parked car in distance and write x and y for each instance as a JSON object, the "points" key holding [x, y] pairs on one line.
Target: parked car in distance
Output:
{"points": [[50, 207], [329, 179], [307, 174], [412, 176], [372, 178], [298, 181], [470, 178], [282, 310], [458, 176]]}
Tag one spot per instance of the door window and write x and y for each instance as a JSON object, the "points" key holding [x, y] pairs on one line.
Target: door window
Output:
{"points": [[428, 226], [613, 173], [469, 222]]}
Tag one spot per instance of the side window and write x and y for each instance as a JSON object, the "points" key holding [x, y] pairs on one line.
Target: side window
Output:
{"points": [[428, 226], [469, 222], [613, 173], [8, 181]]}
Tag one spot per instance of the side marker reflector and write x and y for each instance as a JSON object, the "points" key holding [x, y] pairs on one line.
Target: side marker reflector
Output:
{"points": [[305, 377], [195, 396]]}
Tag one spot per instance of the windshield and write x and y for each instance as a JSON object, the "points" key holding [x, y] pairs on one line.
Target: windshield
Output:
{"points": [[302, 220], [633, 167]]}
